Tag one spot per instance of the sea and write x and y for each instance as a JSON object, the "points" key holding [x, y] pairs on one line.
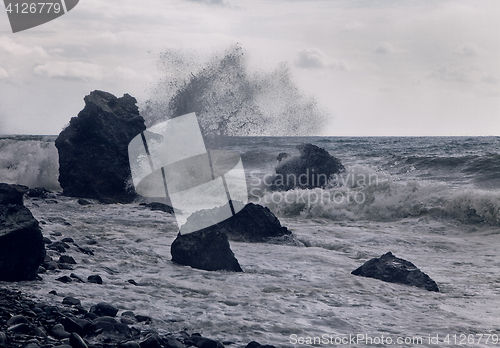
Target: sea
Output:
{"points": [[434, 201]]}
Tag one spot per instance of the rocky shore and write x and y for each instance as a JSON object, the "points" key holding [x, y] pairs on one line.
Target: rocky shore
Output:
{"points": [[29, 324]]}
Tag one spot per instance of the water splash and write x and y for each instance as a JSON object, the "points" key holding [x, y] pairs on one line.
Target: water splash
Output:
{"points": [[229, 99]]}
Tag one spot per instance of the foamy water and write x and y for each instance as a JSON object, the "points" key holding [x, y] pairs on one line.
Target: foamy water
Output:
{"points": [[285, 290]]}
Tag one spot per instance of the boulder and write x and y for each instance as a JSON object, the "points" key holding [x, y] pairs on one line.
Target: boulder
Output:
{"points": [[21, 242], [254, 223], [392, 269], [208, 250], [93, 149], [312, 168]]}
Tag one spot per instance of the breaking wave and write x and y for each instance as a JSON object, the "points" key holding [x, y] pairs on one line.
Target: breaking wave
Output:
{"points": [[29, 160], [362, 194], [229, 99]]}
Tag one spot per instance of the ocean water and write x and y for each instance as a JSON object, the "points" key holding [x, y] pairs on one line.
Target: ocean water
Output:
{"points": [[432, 201]]}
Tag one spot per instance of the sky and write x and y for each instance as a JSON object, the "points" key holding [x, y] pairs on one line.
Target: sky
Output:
{"points": [[380, 67]]}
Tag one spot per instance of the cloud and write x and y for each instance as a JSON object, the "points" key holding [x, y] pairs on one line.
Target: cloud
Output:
{"points": [[3, 73], [70, 70], [387, 48], [352, 26], [11, 47], [212, 2], [466, 50], [125, 73], [107, 37], [462, 74], [313, 58], [490, 79]]}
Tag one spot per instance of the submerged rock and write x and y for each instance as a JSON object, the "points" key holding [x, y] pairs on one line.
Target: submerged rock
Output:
{"points": [[208, 250], [312, 168], [93, 149], [21, 242], [392, 269]]}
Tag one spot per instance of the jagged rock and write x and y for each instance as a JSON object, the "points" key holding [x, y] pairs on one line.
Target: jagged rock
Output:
{"points": [[312, 168], [208, 250], [21, 242], [392, 269], [254, 223], [93, 149]]}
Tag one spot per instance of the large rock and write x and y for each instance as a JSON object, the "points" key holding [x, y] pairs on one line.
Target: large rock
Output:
{"points": [[93, 149], [21, 242], [254, 223], [208, 250], [392, 269], [312, 168]]}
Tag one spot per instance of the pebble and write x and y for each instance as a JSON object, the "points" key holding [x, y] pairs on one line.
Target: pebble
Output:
{"points": [[67, 240], [127, 320], [46, 240], [65, 279], [151, 341], [66, 266], [104, 309], [133, 282], [82, 201], [71, 301], [130, 344], [51, 265], [3, 338], [59, 332], [143, 318], [71, 326], [173, 343], [95, 278], [76, 341], [17, 319], [78, 278], [41, 270], [67, 259], [21, 328]]}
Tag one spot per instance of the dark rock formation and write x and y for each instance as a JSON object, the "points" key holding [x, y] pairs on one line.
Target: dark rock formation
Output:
{"points": [[21, 242], [391, 269], [254, 223], [93, 149], [313, 168], [208, 250]]}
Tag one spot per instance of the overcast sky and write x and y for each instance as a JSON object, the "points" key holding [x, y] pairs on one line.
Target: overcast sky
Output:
{"points": [[380, 67]]}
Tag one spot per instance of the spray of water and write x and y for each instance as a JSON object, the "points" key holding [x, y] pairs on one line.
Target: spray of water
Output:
{"points": [[231, 100]]}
